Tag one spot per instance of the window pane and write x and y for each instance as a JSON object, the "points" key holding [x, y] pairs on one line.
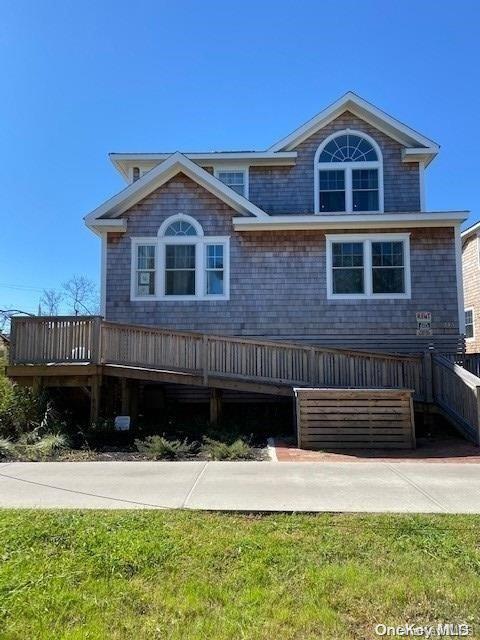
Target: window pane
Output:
{"points": [[180, 283], [348, 148], [332, 201], [145, 257], [365, 179], [145, 283], [365, 201], [348, 281], [347, 254], [332, 180], [180, 228], [469, 333], [214, 282], [180, 256], [388, 280], [234, 179], [215, 256], [387, 254]]}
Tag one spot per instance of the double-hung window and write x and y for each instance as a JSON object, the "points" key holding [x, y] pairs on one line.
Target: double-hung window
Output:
{"points": [[236, 179], [180, 264], [469, 325], [144, 269], [368, 266], [348, 174]]}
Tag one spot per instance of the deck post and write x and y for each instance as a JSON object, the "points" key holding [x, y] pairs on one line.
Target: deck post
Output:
{"points": [[125, 397], [215, 406], [428, 376], [95, 398], [96, 356], [37, 385]]}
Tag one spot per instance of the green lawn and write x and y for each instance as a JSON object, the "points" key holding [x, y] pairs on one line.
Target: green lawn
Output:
{"points": [[157, 575]]}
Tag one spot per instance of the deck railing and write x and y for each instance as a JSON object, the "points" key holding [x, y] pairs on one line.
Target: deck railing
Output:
{"points": [[457, 392], [89, 339]]}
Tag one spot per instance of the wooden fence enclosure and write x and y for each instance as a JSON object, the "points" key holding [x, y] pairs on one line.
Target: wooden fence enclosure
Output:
{"points": [[355, 418]]}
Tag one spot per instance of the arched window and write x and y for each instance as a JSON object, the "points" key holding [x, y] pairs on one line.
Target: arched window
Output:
{"points": [[180, 228], [348, 174], [181, 263]]}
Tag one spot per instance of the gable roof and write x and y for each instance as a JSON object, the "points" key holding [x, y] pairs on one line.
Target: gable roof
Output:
{"points": [[416, 145], [106, 216], [474, 229]]}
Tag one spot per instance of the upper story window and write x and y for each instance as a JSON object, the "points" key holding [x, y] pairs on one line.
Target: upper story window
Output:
{"points": [[348, 174], [181, 263], [236, 179]]}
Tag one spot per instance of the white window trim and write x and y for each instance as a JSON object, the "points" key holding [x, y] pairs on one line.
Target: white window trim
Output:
{"points": [[478, 250], [348, 167], [201, 242], [473, 322], [136, 242], [235, 169], [367, 240]]}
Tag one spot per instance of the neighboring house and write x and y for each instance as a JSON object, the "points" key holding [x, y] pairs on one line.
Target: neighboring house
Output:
{"points": [[323, 238], [471, 280]]}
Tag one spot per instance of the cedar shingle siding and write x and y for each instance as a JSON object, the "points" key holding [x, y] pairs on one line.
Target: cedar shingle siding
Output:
{"points": [[278, 279], [471, 285], [290, 189]]}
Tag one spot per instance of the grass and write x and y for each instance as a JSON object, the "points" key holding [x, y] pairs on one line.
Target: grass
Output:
{"points": [[192, 575]]}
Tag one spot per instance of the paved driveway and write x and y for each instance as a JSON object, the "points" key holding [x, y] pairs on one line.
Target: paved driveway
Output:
{"points": [[250, 486]]}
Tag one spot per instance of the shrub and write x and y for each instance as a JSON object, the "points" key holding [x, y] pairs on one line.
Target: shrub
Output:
{"points": [[238, 450], [7, 449], [159, 448], [21, 410], [34, 447]]}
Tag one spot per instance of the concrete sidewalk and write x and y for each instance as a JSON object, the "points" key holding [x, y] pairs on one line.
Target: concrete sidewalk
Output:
{"points": [[247, 486]]}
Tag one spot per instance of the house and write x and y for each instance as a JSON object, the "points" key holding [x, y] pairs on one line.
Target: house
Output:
{"points": [[471, 280], [322, 239], [287, 273]]}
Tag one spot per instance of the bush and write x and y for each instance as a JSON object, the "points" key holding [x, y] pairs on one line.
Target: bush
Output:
{"points": [[34, 447], [238, 450], [21, 410], [159, 448], [7, 449]]}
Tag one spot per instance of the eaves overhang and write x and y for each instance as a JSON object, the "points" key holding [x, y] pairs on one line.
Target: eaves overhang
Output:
{"points": [[353, 221]]}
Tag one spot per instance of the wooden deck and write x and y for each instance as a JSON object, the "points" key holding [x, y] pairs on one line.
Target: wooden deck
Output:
{"points": [[82, 351]]}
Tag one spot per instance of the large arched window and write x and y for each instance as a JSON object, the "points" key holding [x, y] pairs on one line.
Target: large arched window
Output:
{"points": [[181, 263], [348, 174]]}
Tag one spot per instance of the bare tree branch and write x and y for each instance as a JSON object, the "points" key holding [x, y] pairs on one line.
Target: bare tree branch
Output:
{"points": [[81, 294], [50, 301]]}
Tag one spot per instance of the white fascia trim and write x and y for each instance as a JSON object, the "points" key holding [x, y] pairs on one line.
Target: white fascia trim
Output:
{"points": [[421, 155], [103, 276], [100, 227], [367, 239], [459, 274], [351, 221], [363, 109], [114, 207], [124, 161], [475, 228]]}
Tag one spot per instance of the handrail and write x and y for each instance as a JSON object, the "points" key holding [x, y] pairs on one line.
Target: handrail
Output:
{"points": [[68, 339], [457, 392]]}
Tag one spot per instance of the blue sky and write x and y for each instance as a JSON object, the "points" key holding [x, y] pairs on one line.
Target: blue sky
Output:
{"points": [[80, 79]]}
